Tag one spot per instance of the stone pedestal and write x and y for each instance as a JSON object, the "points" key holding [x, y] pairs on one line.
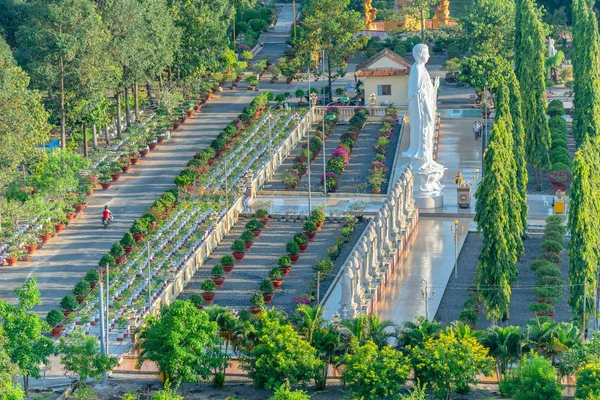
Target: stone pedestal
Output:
{"points": [[428, 189]]}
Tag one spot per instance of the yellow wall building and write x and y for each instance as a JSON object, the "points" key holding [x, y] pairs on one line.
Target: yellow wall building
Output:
{"points": [[386, 75]]}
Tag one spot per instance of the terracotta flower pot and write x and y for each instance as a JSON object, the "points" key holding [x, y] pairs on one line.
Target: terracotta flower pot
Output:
{"points": [[25, 258], [310, 236], [294, 258], [277, 283], [11, 260], [257, 232], [228, 269], [90, 192], [79, 299], [264, 221], [57, 330], [45, 237], [138, 237], [125, 168], [152, 145], [303, 247], [128, 249], [255, 310], [93, 284], [198, 107], [119, 260], [115, 177], [285, 270], [238, 256], [160, 138], [80, 207], [248, 245], [58, 228], [105, 185], [219, 281], [143, 152], [208, 297], [189, 113], [134, 160], [67, 313], [319, 225], [70, 216], [31, 249], [267, 297]]}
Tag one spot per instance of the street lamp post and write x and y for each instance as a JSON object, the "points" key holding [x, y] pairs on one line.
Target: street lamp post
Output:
{"points": [[455, 231], [297, 116], [426, 293], [313, 102], [372, 99], [269, 127], [324, 112]]}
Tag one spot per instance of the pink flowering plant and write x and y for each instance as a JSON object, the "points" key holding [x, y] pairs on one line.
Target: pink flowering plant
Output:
{"points": [[342, 153]]}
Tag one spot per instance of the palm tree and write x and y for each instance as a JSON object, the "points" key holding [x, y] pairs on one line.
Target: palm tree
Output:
{"points": [[311, 319], [505, 345], [330, 345], [358, 327], [414, 333], [380, 332]]}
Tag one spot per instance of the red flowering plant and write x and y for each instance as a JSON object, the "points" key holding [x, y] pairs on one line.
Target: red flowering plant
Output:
{"points": [[342, 153]]}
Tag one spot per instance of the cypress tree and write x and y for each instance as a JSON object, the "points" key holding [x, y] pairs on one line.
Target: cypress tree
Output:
{"points": [[584, 224], [496, 268], [531, 73], [521, 174], [586, 62], [502, 99]]}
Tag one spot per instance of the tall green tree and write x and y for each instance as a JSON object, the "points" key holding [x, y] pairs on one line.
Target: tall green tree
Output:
{"points": [[586, 63], [489, 27], [25, 344], [184, 344], [330, 26], [9, 389], [584, 225], [64, 48], [517, 229], [23, 119], [496, 270], [530, 53], [521, 175]]}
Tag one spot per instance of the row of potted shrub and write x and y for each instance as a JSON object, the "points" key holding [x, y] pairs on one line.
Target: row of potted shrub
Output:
{"points": [[203, 159], [340, 157], [560, 159], [297, 245], [549, 287], [378, 169]]}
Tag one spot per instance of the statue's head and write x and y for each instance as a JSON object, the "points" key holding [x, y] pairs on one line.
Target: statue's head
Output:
{"points": [[421, 53]]}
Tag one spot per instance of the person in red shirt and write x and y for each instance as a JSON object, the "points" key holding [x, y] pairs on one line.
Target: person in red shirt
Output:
{"points": [[106, 214]]}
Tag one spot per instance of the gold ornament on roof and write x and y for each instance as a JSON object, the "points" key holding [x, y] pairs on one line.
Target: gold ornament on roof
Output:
{"points": [[370, 13]]}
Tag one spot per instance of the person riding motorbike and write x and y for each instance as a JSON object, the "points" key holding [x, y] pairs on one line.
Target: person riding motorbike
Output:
{"points": [[106, 216]]}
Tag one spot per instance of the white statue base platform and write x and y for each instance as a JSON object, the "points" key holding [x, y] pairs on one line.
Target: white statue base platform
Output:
{"points": [[428, 189]]}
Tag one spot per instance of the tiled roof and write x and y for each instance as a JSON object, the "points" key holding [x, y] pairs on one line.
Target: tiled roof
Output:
{"points": [[382, 72], [362, 68]]}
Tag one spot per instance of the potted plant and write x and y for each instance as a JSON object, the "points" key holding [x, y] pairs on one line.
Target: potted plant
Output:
{"points": [[258, 303], [127, 242], [248, 238], [542, 309], [134, 157], [68, 305], [276, 277], [227, 261], [54, 319], [324, 266], [92, 277], [117, 252], [13, 256], [302, 241], [208, 288], [310, 230], [105, 181], [468, 316], [197, 300], [139, 229], [81, 289], [552, 245], [32, 244], [255, 226], [552, 257], [252, 81], [293, 251], [107, 259], [318, 217], [60, 222], [285, 265], [559, 179], [267, 289], [46, 233], [238, 247], [217, 274], [263, 216], [291, 179]]}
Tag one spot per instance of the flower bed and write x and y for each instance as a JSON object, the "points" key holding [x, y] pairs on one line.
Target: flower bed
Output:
{"points": [[378, 170], [341, 155]]}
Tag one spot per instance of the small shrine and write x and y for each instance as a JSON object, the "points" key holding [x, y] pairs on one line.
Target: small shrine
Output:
{"points": [[440, 19]]}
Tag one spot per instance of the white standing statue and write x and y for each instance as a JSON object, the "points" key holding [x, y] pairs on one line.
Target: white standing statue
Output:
{"points": [[551, 48], [422, 98]]}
